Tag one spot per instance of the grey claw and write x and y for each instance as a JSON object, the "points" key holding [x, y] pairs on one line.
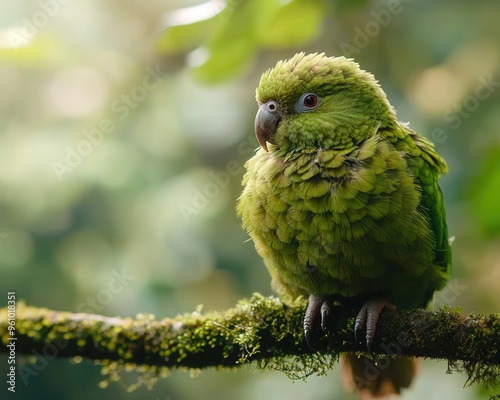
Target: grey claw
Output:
{"points": [[313, 307], [309, 338], [321, 307], [369, 314], [325, 313]]}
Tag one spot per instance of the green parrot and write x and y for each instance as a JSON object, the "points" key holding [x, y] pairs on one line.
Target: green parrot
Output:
{"points": [[342, 200]]}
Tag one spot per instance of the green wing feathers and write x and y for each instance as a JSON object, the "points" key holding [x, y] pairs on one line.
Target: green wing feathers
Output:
{"points": [[432, 204]]}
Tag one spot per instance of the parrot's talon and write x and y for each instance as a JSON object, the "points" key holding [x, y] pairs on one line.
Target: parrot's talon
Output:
{"points": [[321, 307], [308, 334], [356, 338], [369, 315], [359, 323], [313, 306], [360, 320], [325, 314]]}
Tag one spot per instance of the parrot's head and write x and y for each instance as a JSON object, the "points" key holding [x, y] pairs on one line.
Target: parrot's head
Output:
{"points": [[315, 101]]}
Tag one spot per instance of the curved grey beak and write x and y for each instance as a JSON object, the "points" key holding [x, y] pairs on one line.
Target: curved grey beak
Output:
{"points": [[266, 123]]}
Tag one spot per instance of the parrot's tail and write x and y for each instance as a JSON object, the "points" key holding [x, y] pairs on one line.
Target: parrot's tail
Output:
{"points": [[378, 377]]}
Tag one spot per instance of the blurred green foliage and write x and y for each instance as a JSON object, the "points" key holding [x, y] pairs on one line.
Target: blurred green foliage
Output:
{"points": [[224, 37], [124, 130]]}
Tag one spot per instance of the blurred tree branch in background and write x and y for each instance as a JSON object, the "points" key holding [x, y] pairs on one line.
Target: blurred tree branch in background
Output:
{"points": [[260, 329]]}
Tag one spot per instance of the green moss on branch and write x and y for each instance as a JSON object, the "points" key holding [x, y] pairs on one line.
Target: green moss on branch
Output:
{"points": [[260, 329]]}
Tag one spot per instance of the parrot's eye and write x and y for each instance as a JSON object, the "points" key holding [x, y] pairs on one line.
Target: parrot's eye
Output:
{"points": [[307, 102], [310, 101]]}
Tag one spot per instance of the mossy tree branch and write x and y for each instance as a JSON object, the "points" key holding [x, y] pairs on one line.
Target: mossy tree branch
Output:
{"points": [[262, 329]]}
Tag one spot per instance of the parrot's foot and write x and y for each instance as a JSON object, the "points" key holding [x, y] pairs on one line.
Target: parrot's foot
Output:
{"points": [[317, 305], [369, 314]]}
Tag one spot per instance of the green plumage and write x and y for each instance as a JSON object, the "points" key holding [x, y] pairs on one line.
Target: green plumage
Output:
{"points": [[346, 202]]}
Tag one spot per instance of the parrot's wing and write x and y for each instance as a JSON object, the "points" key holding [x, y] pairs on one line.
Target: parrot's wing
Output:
{"points": [[432, 203]]}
